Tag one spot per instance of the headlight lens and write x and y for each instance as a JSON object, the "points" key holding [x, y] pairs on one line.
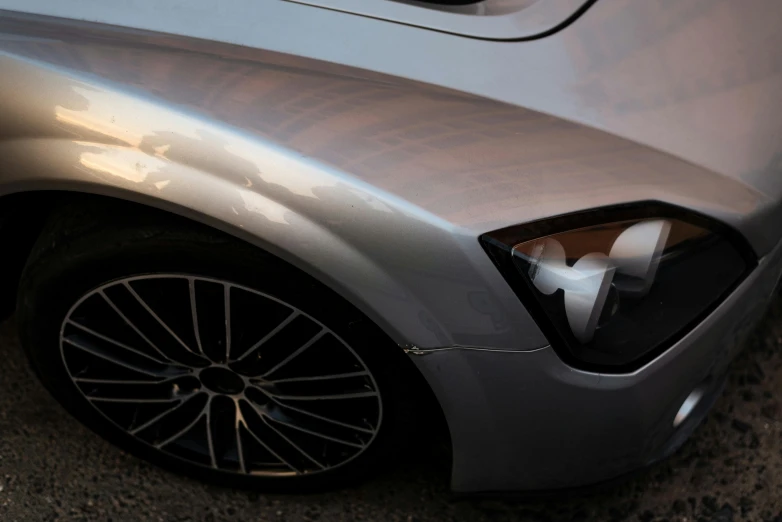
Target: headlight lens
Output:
{"points": [[612, 296]]}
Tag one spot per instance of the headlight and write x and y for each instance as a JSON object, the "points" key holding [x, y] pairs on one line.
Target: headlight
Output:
{"points": [[613, 295]]}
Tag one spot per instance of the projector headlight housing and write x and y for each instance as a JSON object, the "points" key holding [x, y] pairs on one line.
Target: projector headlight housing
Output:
{"points": [[615, 287]]}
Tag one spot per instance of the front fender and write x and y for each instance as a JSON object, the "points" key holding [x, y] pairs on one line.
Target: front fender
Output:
{"points": [[73, 132]]}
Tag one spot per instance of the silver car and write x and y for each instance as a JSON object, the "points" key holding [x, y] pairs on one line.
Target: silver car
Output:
{"points": [[254, 241]]}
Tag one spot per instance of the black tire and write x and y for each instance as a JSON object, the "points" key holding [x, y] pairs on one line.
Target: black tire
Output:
{"points": [[87, 244]]}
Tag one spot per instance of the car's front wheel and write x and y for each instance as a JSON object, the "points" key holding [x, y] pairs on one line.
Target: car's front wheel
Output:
{"points": [[205, 355]]}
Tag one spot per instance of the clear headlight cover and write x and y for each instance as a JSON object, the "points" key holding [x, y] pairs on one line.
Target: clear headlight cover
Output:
{"points": [[611, 296]]}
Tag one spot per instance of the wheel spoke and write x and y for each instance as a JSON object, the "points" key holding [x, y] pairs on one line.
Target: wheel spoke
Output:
{"points": [[266, 446], [227, 313], [159, 391], [130, 323], [264, 418], [320, 377], [317, 434], [252, 349], [144, 369], [121, 381], [321, 417], [194, 313], [335, 396], [237, 426], [157, 418], [156, 317], [123, 400], [209, 441], [115, 342], [184, 430], [298, 352]]}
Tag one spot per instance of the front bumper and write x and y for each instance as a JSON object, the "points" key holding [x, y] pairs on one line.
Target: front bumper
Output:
{"points": [[527, 421]]}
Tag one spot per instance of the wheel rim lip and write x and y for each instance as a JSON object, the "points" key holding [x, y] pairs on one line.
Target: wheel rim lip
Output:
{"points": [[194, 371]]}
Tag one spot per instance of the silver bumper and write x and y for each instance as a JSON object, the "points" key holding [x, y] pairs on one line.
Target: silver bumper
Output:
{"points": [[526, 421]]}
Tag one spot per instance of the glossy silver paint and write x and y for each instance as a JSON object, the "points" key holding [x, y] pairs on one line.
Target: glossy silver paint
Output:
{"points": [[687, 407], [543, 425], [695, 78], [490, 20], [339, 158]]}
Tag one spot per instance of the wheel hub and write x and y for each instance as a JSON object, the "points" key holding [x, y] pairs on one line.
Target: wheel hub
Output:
{"points": [[221, 380]]}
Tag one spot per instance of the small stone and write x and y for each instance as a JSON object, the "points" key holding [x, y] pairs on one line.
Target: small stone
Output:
{"points": [[740, 426], [746, 504], [770, 411], [679, 507], [719, 417], [709, 503], [615, 514], [725, 514]]}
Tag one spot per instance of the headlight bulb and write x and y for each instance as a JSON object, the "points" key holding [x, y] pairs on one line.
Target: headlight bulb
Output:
{"points": [[586, 283], [635, 254]]}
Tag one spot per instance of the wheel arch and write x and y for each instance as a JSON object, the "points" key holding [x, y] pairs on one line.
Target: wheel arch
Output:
{"points": [[91, 209], [46, 173], [76, 132], [23, 215]]}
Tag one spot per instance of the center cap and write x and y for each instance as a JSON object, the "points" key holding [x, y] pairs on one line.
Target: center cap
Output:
{"points": [[221, 380]]}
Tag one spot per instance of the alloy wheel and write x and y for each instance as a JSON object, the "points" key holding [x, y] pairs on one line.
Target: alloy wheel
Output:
{"points": [[220, 375]]}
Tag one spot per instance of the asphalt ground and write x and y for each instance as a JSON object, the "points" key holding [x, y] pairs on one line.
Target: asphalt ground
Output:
{"points": [[51, 468]]}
